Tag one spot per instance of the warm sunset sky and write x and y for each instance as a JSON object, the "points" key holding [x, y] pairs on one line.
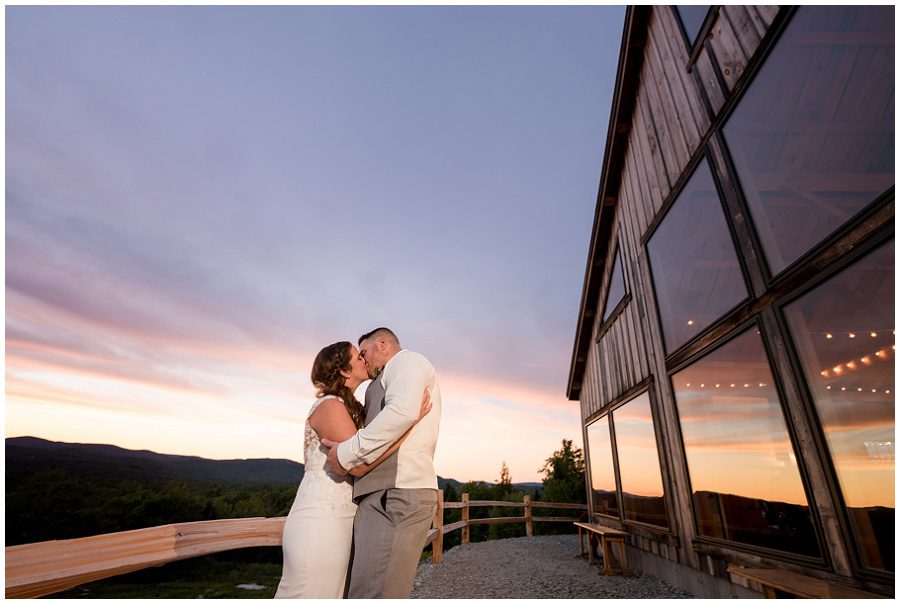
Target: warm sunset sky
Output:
{"points": [[199, 199]]}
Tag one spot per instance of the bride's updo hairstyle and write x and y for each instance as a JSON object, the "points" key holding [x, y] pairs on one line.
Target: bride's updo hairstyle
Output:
{"points": [[327, 378]]}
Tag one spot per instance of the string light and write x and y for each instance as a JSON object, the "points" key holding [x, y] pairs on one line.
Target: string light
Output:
{"points": [[858, 389], [690, 321], [746, 385], [874, 333]]}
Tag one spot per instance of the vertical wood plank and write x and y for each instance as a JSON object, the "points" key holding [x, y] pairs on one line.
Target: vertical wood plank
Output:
{"points": [[465, 516], [707, 72], [744, 28], [647, 178], [638, 195], [679, 53], [672, 73], [663, 106], [727, 51], [529, 524], [654, 161]]}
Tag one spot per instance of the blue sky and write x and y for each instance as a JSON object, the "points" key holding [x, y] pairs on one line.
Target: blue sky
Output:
{"points": [[199, 199]]}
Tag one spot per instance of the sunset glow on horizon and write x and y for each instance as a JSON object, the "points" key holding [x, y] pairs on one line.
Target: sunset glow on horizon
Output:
{"points": [[199, 199]]}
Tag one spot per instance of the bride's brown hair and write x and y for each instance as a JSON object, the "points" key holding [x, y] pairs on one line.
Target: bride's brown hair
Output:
{"points": [[326, 377]]}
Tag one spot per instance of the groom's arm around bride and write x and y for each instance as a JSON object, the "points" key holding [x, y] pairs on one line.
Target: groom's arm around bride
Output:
{"points": [[397, 500]]}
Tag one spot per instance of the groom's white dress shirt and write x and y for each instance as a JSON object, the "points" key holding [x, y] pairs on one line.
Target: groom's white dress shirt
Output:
{"points": [[405, 377]]}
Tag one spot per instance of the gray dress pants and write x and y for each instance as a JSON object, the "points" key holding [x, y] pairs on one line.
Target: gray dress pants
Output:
{"points": [[389, 532]]}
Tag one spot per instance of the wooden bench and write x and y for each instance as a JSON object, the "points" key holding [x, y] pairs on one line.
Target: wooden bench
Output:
{"points": [[612, 544], [780, 583]]}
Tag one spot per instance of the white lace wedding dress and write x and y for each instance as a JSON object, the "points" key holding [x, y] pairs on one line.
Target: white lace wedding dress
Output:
{"points": [[319, 528]]}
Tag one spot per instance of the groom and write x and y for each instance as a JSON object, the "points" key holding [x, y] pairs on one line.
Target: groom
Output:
{"points": [[397, 499]]}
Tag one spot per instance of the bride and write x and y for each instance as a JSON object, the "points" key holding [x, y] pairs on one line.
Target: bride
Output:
{"points": [[319, 529]]}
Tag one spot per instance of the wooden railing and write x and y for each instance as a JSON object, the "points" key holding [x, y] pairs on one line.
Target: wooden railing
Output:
{"points": [[39, 569], [436, 535]]}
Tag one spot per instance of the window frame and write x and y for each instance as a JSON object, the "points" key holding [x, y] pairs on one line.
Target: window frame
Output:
{"points": [[695, 46], [619, 308], [820, 442], [772, 280], [667, 499], [646, 386], [590, 477], [739, 307], [824, 561]]}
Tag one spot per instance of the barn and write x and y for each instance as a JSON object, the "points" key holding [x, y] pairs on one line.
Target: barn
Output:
{"points": [[734, 350]]}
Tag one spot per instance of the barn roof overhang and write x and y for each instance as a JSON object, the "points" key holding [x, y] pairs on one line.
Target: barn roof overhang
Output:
{"points": [[631, 56]]}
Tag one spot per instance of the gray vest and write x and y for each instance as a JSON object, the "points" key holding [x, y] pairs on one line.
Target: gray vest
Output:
{"points": [[385, 475]]}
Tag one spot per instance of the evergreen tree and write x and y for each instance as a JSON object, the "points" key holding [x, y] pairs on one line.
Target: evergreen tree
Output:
{"points": [[563, 483], [504, 487], [564, 475]]}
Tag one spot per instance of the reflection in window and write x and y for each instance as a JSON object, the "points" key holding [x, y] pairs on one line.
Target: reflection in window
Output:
{"points": [[844, 331], [603, 476], [692, 17], [813, 139], [744, 475], [616, 290], [642, 489], [695, 268]]}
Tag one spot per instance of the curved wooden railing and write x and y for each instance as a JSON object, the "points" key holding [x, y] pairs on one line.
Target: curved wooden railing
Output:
{"points": [[39, 569]]}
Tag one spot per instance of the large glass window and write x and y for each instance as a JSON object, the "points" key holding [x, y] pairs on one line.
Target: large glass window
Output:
{"points": [[642, 488], [744, 475], [603, 475], [844, 332], [616, 290], [813, 139], [695, 268], [692, 17]]}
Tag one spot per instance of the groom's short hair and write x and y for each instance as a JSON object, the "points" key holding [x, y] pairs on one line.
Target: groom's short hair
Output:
{"points": [[382, 332]]}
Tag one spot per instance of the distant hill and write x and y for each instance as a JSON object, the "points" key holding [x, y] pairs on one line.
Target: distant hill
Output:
{"points": [[58, 490], [37, 454], [28, 453]]}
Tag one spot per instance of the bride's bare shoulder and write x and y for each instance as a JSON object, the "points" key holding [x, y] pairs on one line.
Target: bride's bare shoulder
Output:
{"points": [[327, 410]]}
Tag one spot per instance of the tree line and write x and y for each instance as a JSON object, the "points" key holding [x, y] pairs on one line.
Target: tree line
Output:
{"points": [[64, 504], [563, 482]]}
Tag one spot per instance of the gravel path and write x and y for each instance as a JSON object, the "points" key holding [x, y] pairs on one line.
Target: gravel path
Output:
{"points": [[539, 567]]}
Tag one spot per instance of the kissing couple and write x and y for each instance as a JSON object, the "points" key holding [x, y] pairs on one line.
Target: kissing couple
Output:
{"points": [[369, 489]]}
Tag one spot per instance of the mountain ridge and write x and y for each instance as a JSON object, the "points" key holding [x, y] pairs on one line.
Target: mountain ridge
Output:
{"points": [[23, 452]]}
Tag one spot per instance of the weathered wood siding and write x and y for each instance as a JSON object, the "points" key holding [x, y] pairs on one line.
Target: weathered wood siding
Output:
{"points": [[672, 117], [675, 109]]}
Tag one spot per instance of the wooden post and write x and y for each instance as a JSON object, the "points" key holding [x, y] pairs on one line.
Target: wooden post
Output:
{"points": [[437, 546], [465, 516], [529, 524]]}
